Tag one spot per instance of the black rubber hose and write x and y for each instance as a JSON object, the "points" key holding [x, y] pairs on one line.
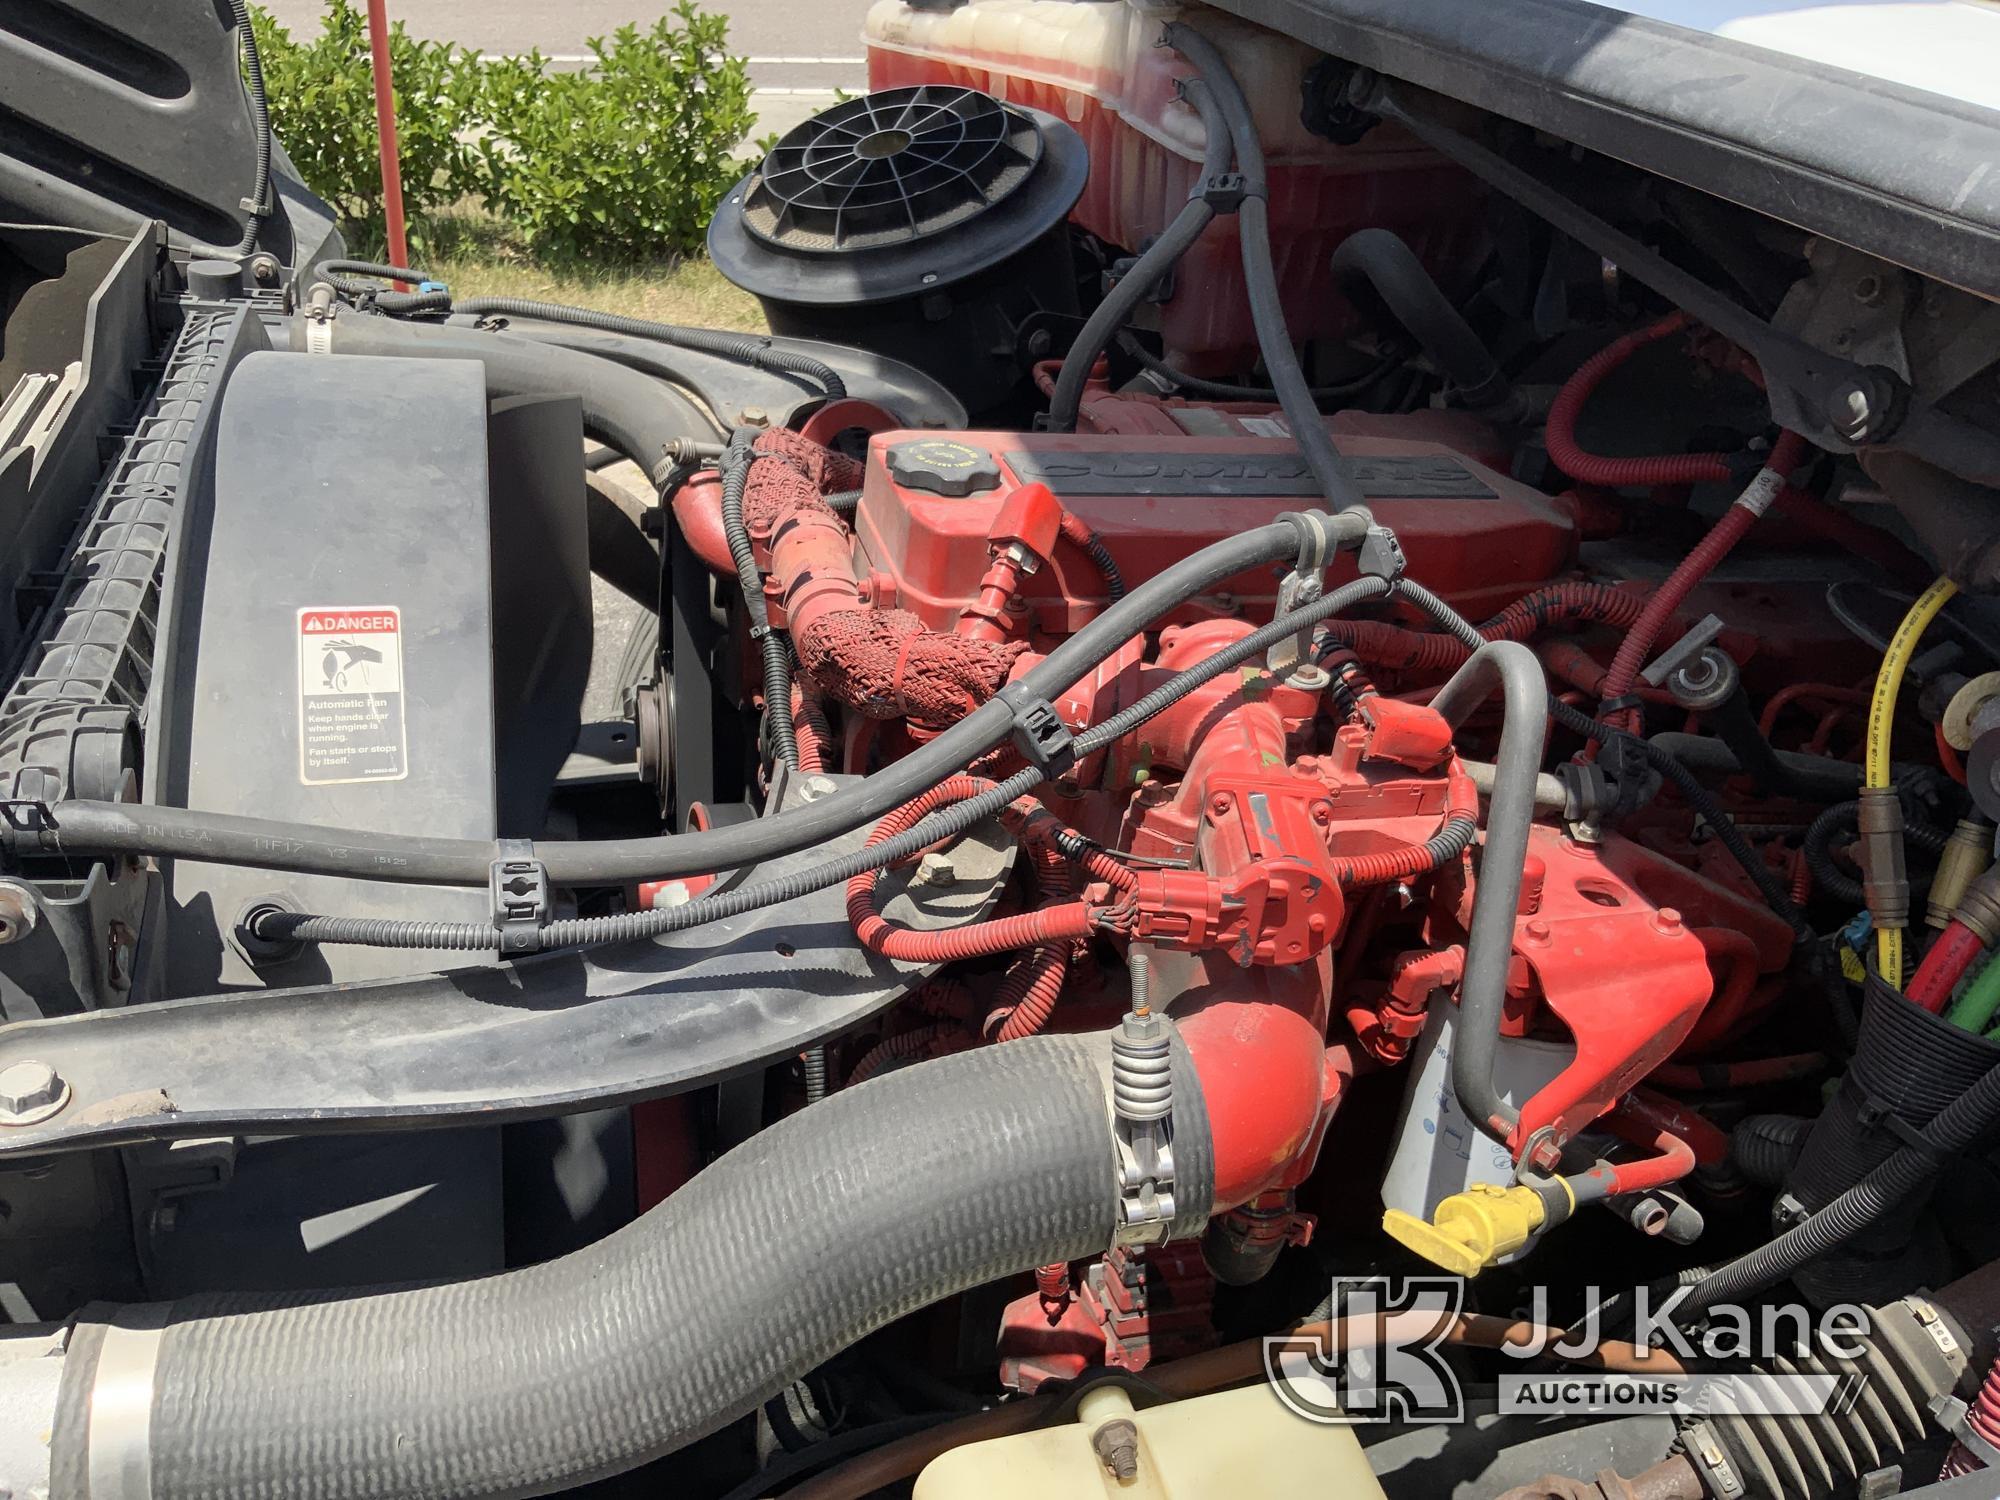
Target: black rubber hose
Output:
{"points": [[776, 650], [646, 421], [1956, 1128], [1816, 778], [260, 126], [642, 355], [952, 1173], [620, 551], [83, 828], [1267, 310], [1379, 260], [742, 348], [1146, 273], [1837, 821], [1513, 670], [1764, 1147], [1223, 390], [1706, 807], [946, 822]]}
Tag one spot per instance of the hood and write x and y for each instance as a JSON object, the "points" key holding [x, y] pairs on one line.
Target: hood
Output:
{"points": [[1871, 124], [115, 113]]}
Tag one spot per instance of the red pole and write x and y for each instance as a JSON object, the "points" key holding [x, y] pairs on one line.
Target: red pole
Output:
{"points": [[385, 130]]}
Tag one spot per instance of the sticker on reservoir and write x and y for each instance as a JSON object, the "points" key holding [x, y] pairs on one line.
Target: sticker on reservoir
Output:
{"points": [[351, 721]]}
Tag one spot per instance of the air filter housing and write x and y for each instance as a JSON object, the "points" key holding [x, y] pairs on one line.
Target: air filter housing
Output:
{"points": [[924, 223]]}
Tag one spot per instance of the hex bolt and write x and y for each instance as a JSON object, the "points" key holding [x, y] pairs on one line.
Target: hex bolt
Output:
{"points": [[1537, 931], [17, 912], [31, 1092], [815, 787], [1544, 1149], [1117, 1444], [936, 868], [1668, 922]]}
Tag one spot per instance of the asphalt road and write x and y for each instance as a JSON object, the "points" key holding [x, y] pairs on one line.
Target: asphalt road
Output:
{"points": [[800, 51]]}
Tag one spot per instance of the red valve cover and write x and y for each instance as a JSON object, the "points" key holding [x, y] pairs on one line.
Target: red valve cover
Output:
{"points": [[1477, 537]]}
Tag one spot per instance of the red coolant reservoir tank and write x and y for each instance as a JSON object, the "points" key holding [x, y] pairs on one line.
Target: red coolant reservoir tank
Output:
{"points": [[1098, 65]]}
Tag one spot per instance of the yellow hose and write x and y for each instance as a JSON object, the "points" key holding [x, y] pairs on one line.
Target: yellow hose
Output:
{"points": [[1881, 718]]}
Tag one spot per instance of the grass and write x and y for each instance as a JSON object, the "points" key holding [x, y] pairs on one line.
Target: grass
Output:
{"points": [[691, 292], [476, 258]]}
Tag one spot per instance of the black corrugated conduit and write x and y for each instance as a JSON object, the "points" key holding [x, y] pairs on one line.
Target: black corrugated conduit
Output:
{"points": [[86, 828], [1955, 1129], [776, 650], [946, 822], [260, 126]]}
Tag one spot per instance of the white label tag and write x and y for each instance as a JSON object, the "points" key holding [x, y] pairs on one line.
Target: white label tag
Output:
{"points": [[351, 719], [1761, 491]]}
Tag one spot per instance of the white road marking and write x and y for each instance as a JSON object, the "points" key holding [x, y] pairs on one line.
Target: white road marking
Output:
{"points": [[788, 62]]}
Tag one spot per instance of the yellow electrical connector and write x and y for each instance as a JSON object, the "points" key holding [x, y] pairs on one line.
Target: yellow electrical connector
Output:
{"points": [[1468, 1231], [1877, 854]]}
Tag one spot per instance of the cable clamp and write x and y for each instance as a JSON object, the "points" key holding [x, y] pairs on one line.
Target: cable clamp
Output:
{"points": [[1381, 556], [1223, 191], [23, 815], [1618, 705], [1874, 1114], [519, 884], [1304, 585], [1142, 1099], [1953, 1415], [1039, 732], [1316, 542]]}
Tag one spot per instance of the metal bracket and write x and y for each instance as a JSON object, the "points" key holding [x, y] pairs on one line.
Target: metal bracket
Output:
{"points": [[520, 890], [1683, 651], [1811, 391], [1304, 585]]}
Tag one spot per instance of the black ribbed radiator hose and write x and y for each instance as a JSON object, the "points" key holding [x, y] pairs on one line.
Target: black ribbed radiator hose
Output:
{"points": [[882, 1199]]}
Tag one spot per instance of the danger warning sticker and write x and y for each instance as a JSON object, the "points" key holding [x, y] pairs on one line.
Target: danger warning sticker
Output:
{"points": [[351, 723]]}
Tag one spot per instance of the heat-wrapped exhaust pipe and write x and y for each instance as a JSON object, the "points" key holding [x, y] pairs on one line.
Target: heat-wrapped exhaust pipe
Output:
{"points": [[865, 1207]]}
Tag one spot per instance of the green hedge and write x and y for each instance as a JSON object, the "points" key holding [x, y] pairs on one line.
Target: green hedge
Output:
{"points": [[621, 162]]}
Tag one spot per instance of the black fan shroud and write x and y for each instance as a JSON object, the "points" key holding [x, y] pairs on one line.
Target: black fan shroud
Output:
{"points": [[890, 169]]}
